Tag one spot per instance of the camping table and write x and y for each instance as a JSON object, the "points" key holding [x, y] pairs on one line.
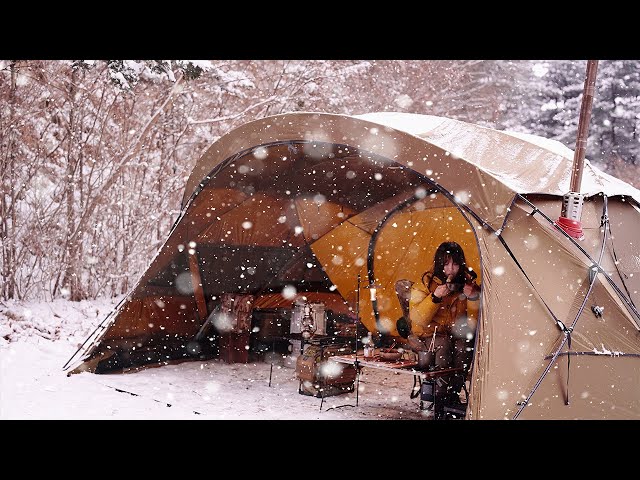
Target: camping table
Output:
{"points": [[402, 366]]}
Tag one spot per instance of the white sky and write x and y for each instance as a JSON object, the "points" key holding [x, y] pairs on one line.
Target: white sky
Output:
{"points": [[33, 385]]}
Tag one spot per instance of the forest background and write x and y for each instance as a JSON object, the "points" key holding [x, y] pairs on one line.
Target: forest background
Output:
{"points": [[94, 155]]}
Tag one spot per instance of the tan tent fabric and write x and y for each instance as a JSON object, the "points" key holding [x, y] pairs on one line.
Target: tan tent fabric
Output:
{"points": [[517, 333], [526, 163], [313, 200], [500, 160]]}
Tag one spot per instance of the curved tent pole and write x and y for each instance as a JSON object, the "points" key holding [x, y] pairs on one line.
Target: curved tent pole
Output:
{"points": [[437, 188], [207, 178], [567, 331], [559, 323], [372, 243]]}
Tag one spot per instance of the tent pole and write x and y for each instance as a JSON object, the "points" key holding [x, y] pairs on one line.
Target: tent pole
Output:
{"points": [[356, 363], [357, 312], [196, 281], [571, 213], [372, 244]]}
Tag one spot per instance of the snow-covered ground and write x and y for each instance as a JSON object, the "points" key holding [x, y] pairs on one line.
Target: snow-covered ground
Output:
{"points": [[36, 340]]}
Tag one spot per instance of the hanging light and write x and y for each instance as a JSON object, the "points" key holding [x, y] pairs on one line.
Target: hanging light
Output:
{"points": [[373, 291]]}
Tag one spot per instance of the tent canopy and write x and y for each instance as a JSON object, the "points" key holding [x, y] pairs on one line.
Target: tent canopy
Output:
{"points": [[310, 201]]}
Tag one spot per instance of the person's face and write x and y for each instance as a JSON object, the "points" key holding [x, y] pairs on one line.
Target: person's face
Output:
{"points": [[451, 268]]}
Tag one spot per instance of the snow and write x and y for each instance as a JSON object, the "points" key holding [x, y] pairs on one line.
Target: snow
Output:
{"points": [[477, 144], [34, 386], [553, 146], [413, 123]]}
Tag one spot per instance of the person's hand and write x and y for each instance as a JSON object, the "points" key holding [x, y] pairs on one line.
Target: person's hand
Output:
{"points": [[403, 327], [471, 290], [441, 291]]}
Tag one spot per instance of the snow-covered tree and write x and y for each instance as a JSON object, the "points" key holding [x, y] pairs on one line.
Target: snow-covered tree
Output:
{"points": [[95, 154], [74, 143], [615, 116], [616, 111]]}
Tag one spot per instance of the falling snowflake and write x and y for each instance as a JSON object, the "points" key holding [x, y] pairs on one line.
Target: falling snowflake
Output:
{"points": [[319, 199], [260, 153], [403, 101], [183, 283], [222, 322], [463, 197], [289, 292]]}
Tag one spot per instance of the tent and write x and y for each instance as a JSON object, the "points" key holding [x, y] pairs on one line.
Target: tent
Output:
{"points": [[303, 203]]}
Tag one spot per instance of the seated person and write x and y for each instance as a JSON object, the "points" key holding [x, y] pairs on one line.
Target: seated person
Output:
{"points": [[438, 318]]}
